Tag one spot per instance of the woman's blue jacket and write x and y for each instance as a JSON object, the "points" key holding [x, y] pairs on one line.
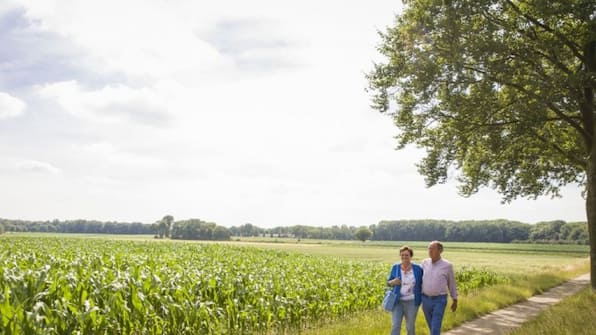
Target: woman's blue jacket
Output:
{"points": [[396, 272]]}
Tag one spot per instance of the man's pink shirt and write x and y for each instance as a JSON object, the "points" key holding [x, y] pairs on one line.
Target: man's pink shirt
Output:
{"points": [[438, 278]]}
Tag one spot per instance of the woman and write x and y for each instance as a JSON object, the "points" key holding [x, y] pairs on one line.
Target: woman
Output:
{"points": [[406, 280]]}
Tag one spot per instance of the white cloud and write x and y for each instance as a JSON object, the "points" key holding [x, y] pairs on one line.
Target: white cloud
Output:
{"points": [[189, 39], [8, 5], [33, 166], [10, 106], [117, 161], [138, 38], [110, 104]]}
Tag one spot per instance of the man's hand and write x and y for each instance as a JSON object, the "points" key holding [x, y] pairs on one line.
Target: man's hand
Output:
{"points": [[454, 305]]}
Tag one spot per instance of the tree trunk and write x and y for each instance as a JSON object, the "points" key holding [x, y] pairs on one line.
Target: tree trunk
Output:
{"points": [[588, 110], [591, 213]]}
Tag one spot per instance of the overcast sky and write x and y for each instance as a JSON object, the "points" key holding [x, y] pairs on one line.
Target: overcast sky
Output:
{"points": [[227, 111]]}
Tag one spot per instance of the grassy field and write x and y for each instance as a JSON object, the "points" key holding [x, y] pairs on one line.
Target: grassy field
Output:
{"points": [[504, 258], [528, 269]]}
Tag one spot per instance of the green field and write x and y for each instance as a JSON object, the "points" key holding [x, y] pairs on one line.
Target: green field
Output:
{"points": [[506, 258], [100, 284]]}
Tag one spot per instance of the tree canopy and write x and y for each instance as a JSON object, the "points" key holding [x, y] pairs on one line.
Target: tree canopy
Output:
{"points": [[500, 93], [363, 234]]}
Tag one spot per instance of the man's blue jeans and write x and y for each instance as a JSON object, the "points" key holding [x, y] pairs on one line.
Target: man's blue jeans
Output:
{"points": [[434, 309], [404, 308]]}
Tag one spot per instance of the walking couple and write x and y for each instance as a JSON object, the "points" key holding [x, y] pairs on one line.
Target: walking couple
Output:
{"points": [[426, 284]]}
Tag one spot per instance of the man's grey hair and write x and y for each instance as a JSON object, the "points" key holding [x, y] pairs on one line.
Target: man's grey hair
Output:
{"points": [[439, 244]]}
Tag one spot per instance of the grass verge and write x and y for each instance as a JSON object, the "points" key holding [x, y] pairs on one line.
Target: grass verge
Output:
{"points": [[573, 316]]}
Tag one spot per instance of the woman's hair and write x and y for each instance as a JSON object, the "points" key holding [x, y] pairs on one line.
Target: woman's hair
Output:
{"points": [[405, 247]]}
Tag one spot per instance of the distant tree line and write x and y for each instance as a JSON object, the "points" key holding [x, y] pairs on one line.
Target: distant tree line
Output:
{"points": [[503, 231], [342, 232], [76, 226], [193, 229], [462, 231]]}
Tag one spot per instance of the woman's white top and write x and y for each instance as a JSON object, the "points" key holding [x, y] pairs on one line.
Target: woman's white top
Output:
{"points": [[407, 285]]}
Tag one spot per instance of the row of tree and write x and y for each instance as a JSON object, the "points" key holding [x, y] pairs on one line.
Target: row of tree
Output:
{"points": [[502, 231], [342, 232], [77, 226], [193, 229]]}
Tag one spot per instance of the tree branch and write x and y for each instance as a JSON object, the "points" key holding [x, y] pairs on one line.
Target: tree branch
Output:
{"points": [[580, 164], [554, 108], [556, 62], [533, 36], [573, 47]]}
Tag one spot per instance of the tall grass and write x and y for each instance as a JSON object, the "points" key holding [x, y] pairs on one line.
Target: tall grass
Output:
{"points": [[575, 315]]}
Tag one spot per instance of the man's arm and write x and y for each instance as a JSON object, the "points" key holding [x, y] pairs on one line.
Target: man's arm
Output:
{"points": [[452, 288]]}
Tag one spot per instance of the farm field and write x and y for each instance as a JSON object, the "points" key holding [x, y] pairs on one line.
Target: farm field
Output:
{"points": [[61, 284], [66, 285]]}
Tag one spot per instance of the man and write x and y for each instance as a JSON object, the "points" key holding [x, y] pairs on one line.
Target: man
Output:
{"points": [[437, 280]]}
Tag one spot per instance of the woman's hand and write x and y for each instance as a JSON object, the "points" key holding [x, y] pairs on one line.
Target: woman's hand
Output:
{"points": [[394, 282]]}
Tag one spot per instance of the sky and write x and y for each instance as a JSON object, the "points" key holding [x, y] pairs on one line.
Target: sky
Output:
{"points": [[228, 111]]}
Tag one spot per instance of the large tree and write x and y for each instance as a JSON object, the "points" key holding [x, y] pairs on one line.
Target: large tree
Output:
{"points": [[167, 220], [500, 93], [363, 234]]}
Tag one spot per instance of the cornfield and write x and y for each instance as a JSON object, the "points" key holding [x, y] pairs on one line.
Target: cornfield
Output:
{"points": [[78, 286], [469, 278]]}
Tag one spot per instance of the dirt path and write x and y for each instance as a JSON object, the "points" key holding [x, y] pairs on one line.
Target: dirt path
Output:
{"points": [[504, 320]]}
